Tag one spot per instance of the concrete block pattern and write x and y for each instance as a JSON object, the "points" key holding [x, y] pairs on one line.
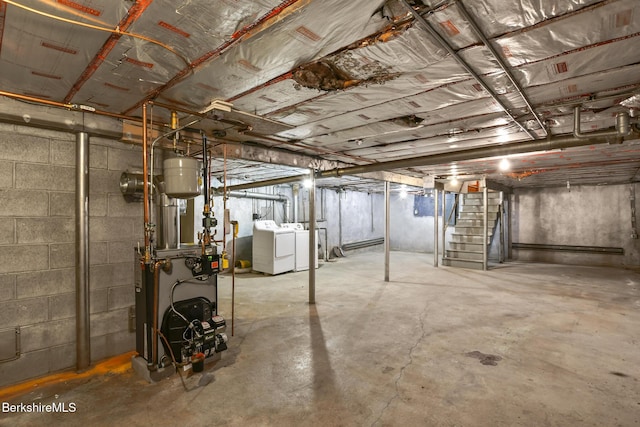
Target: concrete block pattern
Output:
{"points": [[104, 181], [118, 207], [99, 348], [63, 153], [23, 312], [14, 146], [98, 156], [109, 322], [24, 203], [62, 255], [7, 287], [8, 342], [97, 205], [45, 230], [111, 275], [110, 229], [28, 366], [48, 334], [120, 342], [122, 251], [44, 283], [62, 357], [127, 159], [98, 252], [62, 204], [45, 177], [121, 297], [24, 258], [45, 133], [7, 231], [6, 174], [64, 305]]}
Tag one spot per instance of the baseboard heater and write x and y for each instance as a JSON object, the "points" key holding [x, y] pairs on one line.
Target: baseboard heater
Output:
{"points": [[362, 244], [570, 248]]}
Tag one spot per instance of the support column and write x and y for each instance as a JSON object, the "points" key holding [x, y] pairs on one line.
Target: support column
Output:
{"points": [[83, 333], [436, 233], [312, 238], [485, 223], [444, 222], [509, 225], [387, 228], [501, 218]]}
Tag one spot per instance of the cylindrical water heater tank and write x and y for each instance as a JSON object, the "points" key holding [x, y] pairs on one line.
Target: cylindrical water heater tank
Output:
{"points": [[181, 177]]}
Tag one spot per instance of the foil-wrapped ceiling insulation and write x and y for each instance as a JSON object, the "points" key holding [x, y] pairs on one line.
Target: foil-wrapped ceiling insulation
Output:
{"points": [[298, 38], [44, 60], [568, 62]]}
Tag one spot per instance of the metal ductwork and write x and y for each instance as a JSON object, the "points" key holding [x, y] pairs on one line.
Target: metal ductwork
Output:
{"points": [[554, 143], [260, 196], [623, 126]]}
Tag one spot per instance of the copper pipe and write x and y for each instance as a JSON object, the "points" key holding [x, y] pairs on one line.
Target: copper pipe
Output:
{"points": [[73, 107], [145, 190], [261, 24]]}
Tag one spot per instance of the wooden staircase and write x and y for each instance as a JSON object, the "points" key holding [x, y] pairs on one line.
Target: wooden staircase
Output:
{"points": [[465, 247]]}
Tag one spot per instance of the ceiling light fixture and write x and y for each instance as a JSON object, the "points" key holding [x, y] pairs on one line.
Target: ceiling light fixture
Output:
{"points": [[504, 165]]}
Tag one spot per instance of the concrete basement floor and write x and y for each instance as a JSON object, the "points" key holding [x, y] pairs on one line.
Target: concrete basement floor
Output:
{"points": [[519, 345]]}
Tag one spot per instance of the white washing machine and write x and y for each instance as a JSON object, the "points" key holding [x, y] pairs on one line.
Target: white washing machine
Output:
{"points": [[302, 245], [273, 248]]}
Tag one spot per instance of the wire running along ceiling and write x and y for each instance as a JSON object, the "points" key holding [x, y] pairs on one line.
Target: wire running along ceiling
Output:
{"points": [[353, 82]]}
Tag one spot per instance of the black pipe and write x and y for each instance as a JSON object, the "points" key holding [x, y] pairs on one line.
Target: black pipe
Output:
{"points": [[570, 248], [206, 170]]}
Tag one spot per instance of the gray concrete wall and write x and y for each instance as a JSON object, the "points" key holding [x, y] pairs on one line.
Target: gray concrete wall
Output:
{"points": [[581, 215], [37, 250], [409, 232]]}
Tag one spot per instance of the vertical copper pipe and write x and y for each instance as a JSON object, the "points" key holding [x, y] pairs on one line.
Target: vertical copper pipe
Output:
{"points": [[145, 190]]}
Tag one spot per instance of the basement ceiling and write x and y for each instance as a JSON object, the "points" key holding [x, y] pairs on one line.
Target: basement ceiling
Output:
{"points": [[349, 83]]}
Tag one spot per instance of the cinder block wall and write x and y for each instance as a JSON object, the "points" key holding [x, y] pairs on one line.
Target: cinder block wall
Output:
{"points": [[37, 249]]}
